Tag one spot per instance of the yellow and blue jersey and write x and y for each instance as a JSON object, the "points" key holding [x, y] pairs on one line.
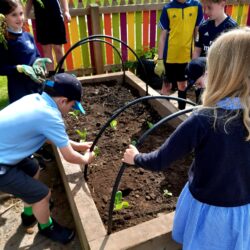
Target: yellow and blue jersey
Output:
{"points": [[180, 20]]}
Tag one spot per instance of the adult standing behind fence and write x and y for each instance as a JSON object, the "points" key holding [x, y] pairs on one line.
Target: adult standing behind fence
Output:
{"points": [[50, 28], [179, 22]]}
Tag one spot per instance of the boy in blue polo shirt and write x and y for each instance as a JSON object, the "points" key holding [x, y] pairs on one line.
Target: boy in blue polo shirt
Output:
{"points": [[27, 124], [217, 23], [179, 22]]}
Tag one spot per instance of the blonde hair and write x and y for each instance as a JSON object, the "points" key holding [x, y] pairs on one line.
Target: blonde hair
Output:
{"points": [[228, 71]]}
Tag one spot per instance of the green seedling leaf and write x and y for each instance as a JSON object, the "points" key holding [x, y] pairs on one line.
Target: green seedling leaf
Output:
{"points": [[150, 125], [119, 204], [82, 134], [96, 150], [24, 2], [167, 193], [113, 124], [134, 142], [75, 113]]}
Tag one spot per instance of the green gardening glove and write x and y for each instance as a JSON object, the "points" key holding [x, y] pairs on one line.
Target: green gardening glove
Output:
{"points": [[28, 70], [159, 68], [39, 66]]}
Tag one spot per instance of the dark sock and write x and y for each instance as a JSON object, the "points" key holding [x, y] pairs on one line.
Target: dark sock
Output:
{"points": [[61, 71], [181, 104], [43, 226], [28, 211]]}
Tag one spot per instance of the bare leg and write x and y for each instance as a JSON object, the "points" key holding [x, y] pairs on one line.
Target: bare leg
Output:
{"points": [[166, 88], [41, 208], [58, 49], [47, 51]]}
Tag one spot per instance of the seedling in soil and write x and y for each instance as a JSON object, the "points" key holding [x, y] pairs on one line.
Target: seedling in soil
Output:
{"points": [[119, 204], [150, 125], [113, 124], [166, 193], [82, 134], [133, 142], [96, 150], [75, 113]]}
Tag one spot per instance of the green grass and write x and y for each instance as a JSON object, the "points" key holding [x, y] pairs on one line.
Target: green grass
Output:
{"points": [[3, 92]]}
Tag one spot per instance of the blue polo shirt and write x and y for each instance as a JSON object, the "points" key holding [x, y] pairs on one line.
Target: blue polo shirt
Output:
{"points": [[26, 124]]}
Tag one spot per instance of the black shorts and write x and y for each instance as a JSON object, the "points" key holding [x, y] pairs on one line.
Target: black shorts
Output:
{"points": [[18, 181], [175, 72], [50, 28]]}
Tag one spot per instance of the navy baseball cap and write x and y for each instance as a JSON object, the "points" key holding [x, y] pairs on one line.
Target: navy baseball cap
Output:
{"points": [[66, 85], [195, 69]]}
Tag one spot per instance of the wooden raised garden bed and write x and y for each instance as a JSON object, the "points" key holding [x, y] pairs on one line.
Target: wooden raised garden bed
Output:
{"points": [[142, 189]]}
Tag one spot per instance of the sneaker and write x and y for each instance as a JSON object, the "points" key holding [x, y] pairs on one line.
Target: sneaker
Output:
{"points": [[28, 220], [44, 154], [57, 232]]}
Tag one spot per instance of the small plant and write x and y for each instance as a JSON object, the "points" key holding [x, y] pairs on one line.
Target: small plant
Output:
{"points": [[96, 150], [113, 124], [130, 65], [150, 125], [166, 193], [24, 2], [75, 113], [82, 134], [133, 142], [147, 53], [119, 204]]}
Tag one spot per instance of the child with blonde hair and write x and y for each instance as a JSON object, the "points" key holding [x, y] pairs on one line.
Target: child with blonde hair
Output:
{"points": [[213, 210]]}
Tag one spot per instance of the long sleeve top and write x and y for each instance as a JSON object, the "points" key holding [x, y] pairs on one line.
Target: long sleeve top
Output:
{"points": [[21, 50], [220, 172]]}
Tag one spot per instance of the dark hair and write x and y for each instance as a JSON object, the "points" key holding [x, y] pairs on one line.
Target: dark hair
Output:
{"points": [[7, 6], [51, 92]]}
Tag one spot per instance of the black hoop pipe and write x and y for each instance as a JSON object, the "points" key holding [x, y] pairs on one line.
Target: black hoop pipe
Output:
{"points": [[59, 65], [123, 166], [103, 41], [120, 110]]}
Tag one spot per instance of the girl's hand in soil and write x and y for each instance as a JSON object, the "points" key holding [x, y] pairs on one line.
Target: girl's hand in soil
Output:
{"points": [[130, 154]]}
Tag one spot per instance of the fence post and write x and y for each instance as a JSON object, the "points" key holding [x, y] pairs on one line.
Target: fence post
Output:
{"points": [[96, 30]]}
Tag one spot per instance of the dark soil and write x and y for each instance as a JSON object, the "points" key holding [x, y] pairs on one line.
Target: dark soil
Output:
{"points": [[144, 190]]}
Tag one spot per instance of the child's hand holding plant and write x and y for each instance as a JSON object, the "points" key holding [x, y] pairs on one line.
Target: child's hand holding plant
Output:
{"points": [[130, 154]]}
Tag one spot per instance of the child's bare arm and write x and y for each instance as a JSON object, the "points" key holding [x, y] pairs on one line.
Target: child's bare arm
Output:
{"points": [[196, 53]]}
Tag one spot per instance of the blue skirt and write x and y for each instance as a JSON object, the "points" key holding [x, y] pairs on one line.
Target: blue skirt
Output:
{"points": [[199, 226]]}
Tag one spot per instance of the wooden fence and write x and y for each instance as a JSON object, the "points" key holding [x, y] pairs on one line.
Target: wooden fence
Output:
{"points": [[134, 24]]}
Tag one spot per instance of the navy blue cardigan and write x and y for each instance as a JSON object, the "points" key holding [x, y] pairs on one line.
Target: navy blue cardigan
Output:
{"points": [[21, 50], [220, 172]]}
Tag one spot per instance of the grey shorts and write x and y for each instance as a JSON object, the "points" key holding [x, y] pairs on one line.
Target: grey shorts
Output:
{"points": [[18, 180]]}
